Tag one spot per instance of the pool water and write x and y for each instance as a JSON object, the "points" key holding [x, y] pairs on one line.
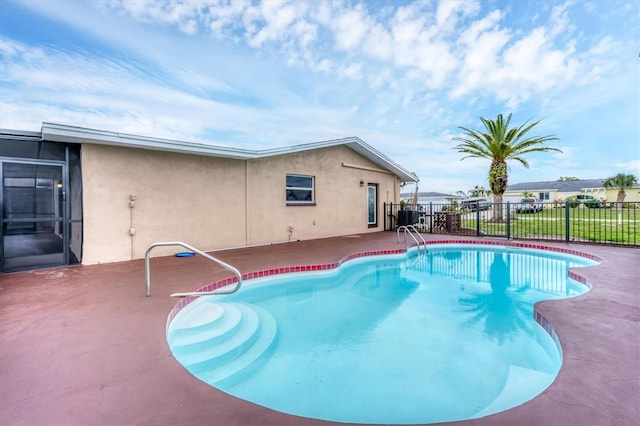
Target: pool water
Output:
{"points": [[413, 338]]}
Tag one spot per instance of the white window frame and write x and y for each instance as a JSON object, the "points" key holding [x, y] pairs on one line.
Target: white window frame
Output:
{"points": [[290, 191]]}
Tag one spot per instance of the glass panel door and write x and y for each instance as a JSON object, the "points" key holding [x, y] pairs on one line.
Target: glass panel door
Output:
{"points": [[372, 204], [33, 215]]}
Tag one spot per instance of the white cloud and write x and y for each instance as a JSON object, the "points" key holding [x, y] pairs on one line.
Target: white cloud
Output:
{"points": [[415, 37], [381, 78], [631, 166], [223, 18], [378, 44], [446, 15], [278, 17], [350, 27], [559, 21], [351, 71], [184, 15]]}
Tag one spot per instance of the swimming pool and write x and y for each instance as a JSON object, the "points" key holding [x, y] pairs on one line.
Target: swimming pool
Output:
{"points": [[406, 338]]}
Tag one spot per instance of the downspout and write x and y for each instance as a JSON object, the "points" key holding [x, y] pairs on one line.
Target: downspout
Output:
{"points": [[132, 227], [246, 203]]}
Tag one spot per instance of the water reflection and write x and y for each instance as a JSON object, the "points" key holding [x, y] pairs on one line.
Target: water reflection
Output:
{"points": [[543, 272], [500, 309]]}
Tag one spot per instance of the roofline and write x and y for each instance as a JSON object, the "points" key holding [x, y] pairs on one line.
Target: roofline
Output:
{"points": [[554, 183], [74, 134], [20, 134], [529, 189]]}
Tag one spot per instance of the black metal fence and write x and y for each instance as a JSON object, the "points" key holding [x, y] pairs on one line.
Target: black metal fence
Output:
{"points": [[570, 221]]}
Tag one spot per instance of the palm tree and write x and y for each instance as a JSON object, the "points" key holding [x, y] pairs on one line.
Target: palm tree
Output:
{"points": [[622, 182], [477, 191], [500, 144]]}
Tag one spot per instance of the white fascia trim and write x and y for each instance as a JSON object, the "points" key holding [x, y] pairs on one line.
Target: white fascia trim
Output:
{"points": [[73, 134], [63, 133], [356, 144]]}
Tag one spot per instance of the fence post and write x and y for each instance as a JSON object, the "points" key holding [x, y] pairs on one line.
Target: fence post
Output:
{"points": [[508, 221], [566, 221], [386, 215], [431, 217], [478, 219]]}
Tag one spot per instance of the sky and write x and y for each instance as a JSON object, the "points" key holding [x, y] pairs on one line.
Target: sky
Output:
{"points": [[403, 76]]}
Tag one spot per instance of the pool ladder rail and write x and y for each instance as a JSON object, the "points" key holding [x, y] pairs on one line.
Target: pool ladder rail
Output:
{"points": [[147, 270], [412, 231]]}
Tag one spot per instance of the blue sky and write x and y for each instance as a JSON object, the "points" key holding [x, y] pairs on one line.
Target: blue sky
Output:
{"points": [[401, 75]]}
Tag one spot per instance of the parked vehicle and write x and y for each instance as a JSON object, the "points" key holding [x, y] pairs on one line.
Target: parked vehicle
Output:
{"points": [[587, 200], [475, 204], [580, 199], [527, 205]]}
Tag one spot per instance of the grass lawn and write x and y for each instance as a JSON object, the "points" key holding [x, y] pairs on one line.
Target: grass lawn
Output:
{"points": [[598, 225]]}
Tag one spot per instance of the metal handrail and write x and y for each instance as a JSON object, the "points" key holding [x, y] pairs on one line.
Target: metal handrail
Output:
{"points": [[147, 270], [409, 228]]}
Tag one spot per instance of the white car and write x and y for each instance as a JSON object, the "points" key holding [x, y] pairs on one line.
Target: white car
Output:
{"points": [[527, 205], [475, 204]]}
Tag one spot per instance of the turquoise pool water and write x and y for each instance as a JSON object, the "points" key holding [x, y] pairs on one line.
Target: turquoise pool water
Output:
{"points": [[413, 338]]}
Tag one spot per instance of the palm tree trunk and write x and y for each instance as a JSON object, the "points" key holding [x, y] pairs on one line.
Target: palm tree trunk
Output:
{"points": [[620, 198], [498, 213], [498, 184]]}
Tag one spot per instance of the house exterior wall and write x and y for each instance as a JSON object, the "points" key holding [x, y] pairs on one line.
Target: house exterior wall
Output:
{"points": [[341, 203], [214, 203], [177, 198], [608, 195], [633, 195], [516, 196]]}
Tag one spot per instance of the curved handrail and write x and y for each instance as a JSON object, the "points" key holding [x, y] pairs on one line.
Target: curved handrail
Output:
{"points": [[147, 270], [409, 228]]}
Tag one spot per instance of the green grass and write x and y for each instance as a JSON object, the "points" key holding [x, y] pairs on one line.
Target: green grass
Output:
{"points": [[597, 225]]}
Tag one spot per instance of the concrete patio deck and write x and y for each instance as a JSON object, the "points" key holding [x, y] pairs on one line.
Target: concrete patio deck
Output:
{"points": [[83, 345]]}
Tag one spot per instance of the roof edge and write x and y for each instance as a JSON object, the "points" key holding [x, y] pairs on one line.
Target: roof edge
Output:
{"points": [[65, 133], [74, 134]]}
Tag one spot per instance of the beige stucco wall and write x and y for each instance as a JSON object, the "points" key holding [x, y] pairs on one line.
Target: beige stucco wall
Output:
{"points": [[632, 195], [341, 203], [214, 203]]}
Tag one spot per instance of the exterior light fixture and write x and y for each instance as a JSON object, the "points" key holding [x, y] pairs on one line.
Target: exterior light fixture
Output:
{"points": [[361, 183]]}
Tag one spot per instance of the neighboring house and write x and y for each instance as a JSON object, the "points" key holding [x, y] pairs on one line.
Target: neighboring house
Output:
{"points": [[561, 190], [77, 195], [429, 202], [429, 197]]}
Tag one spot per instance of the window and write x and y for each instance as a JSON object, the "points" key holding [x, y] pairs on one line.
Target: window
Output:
{"points": [[544, 196], [300, 190]]}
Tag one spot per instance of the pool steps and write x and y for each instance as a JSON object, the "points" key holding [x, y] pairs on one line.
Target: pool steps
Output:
{"points": [[202, 314], [250, 360], [516, 389], [223, 340], [188, 339]]}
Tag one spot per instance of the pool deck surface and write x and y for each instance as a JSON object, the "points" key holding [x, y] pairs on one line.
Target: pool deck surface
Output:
{"points": [[82, 345]]}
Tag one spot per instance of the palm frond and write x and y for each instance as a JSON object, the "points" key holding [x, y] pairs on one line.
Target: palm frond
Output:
{"points": [[500, 142]]}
